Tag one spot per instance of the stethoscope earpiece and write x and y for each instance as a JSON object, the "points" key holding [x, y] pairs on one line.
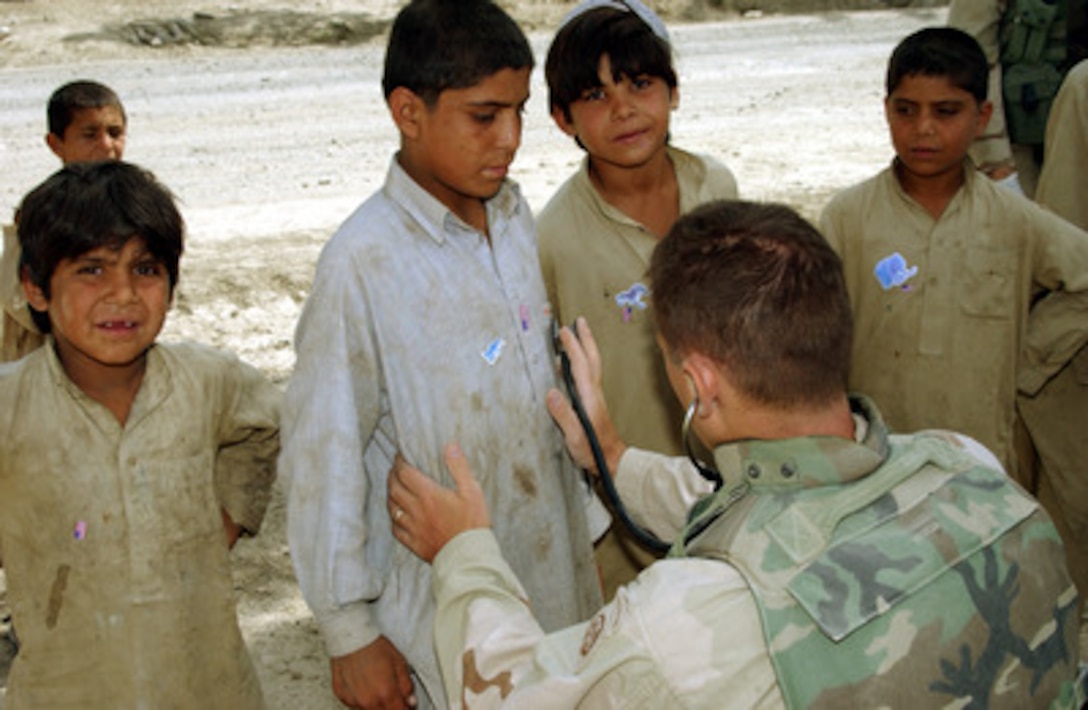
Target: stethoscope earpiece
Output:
{"points": [[685, 435]]}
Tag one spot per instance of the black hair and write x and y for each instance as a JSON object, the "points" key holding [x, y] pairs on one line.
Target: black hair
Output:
{"points": [[575, 54], [84, 206], [436, 45], [940, 52], [755, 287], [77, 95]]}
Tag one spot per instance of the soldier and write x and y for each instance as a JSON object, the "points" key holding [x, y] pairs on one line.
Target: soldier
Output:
{"points": [[837, 565]]}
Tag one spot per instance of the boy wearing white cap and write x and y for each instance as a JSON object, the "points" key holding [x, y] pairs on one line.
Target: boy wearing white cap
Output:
{"points": [[612, 87]]}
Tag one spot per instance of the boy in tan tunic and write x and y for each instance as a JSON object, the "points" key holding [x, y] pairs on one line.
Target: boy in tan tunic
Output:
{"points": [[964, 293], [128, 468], [612, 88]]}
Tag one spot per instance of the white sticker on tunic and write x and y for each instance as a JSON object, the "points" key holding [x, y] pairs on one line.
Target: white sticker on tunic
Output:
{"points": [[630, 299], [493, 351], [892, 271]]}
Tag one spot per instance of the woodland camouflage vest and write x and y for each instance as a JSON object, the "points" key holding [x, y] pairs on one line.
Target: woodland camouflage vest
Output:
{"points": [[930, 582]]}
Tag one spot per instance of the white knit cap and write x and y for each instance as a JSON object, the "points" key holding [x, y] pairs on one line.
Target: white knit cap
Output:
{"points": [[644, 13]]}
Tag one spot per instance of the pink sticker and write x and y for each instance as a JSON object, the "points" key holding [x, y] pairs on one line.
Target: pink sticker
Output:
{"points": [[523, 312], [81, 530]]}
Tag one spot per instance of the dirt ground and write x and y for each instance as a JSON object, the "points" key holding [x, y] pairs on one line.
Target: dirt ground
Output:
{"points": [[271, 137]]}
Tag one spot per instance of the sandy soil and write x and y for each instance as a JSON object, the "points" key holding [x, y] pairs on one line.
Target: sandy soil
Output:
{"points": [[270, 146]]}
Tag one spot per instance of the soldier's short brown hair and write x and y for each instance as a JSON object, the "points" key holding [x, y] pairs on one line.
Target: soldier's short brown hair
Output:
{"points": [[756, 288]]}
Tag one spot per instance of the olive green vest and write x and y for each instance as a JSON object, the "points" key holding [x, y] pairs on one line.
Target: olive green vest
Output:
{"points": [[930, 582], [1040, 41]]}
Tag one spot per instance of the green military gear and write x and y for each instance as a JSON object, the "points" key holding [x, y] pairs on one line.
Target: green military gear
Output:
{"points": [[900, 567], [1034, 57]]}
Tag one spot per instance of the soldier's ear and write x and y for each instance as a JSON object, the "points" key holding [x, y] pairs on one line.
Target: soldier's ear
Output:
{"points": [[704, 379]]}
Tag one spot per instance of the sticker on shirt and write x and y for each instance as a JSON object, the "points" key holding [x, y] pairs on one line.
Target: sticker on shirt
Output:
{"points": [[524, 317], [493, 351], [80, 530], [892, 272], [631, 299]]}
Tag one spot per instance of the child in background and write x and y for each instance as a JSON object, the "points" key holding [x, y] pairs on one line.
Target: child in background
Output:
{"points": [[943, 265], [86, 122], [128, 468], [612, 88], [428, 323], [1063, 182], [1055, 417]]}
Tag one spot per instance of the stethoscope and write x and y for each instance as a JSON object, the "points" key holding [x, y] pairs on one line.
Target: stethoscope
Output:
{"points": [[644, 536]]}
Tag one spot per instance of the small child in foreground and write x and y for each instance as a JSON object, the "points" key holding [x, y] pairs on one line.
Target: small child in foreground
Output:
{"points": [[128, 468]]}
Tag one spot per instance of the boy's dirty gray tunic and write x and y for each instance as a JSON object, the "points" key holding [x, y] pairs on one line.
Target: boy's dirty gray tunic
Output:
{"points": [[419, 333]]}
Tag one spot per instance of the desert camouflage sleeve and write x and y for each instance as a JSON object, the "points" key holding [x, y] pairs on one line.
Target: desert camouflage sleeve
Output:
{"points": [[493, 653]]}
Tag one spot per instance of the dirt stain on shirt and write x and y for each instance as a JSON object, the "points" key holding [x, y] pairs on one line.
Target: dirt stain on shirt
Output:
{"points": [[526, 481], [56, 595]]}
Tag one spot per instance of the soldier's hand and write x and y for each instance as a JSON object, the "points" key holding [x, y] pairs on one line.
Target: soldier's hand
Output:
{"points": [[585, 367], [425, 514]]}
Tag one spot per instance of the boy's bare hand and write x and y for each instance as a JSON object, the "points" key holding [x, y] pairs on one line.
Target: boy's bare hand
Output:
{"points": [[585, 366], [232, 529], [425, 514], [375, 676]]}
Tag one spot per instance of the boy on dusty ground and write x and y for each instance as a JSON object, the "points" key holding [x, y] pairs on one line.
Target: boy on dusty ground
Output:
{"points": [[964, 293], [427, 322], [612, 87], [128, 468], [86, 122]]}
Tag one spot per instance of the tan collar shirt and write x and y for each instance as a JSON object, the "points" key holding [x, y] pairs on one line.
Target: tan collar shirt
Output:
{"points": [[945, 329], [117, 568], [595, 259]]}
